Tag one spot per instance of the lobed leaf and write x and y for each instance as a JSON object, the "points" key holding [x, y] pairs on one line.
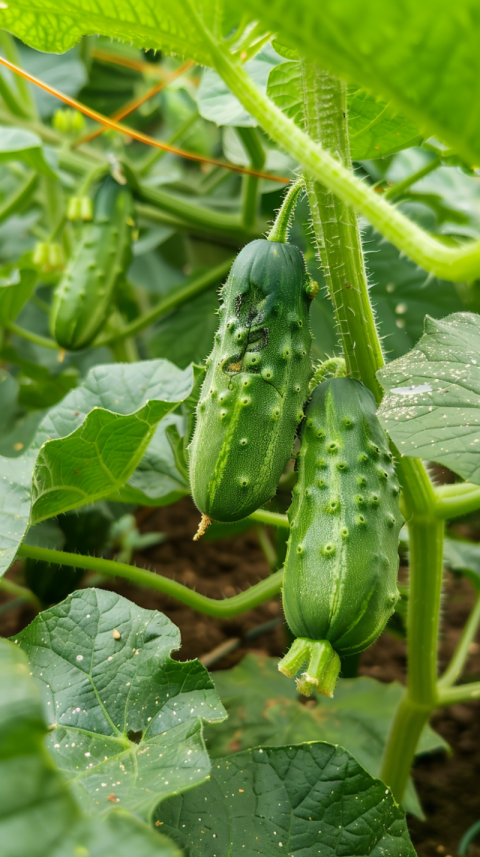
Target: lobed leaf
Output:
{"points": [[88, 445], [126, 720], [38, 814], [55, 26]]}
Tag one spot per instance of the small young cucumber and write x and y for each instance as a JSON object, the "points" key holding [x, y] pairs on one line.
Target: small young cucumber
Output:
{"points": [[340, 584], [256, 382], [83, 298]]}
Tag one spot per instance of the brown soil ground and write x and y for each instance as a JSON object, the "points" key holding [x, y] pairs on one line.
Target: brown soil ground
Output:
{"points": [[448, 785]]}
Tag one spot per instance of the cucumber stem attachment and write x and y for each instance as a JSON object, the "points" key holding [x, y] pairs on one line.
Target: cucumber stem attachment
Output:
{"points": [[283, 221]]}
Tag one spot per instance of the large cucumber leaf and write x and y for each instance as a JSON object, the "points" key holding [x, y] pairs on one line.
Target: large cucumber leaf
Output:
{"points": [[56, 26], [263, 708], [126, 720], [297, 800], [421, 57], [87, 446], [38, 813]]}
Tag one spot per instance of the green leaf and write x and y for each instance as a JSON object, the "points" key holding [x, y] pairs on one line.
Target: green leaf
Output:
{"points": [[117, 411], [38, 814], [126, 718], [375, 128], [16, 288], [19, 145], [297, 800], [421, 57], [88, 445], [265, 709], [217, 104], [451, 194], [50, 25], [432, 404]]}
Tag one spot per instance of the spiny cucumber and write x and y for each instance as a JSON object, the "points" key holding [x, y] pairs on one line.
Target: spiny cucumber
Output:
{"points": [[342, 558], [256, 382]]}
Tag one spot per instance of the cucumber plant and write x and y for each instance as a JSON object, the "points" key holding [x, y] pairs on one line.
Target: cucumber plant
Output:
{"points": [[105, 370]]}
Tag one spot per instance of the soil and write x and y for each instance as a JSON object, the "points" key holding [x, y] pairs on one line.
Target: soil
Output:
{"points": [[448, 785]]}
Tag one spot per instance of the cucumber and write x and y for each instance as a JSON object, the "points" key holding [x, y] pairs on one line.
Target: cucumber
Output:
{"points": [[83, 297], [256, 382], [340, 584]]}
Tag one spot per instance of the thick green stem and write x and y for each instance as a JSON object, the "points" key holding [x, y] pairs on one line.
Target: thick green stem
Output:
{"points": [[274, 519], [256, 154], [178, 297], [457, 663], [421, 696], [336, 229], [257, 594], [450, 263], [202, 218]]}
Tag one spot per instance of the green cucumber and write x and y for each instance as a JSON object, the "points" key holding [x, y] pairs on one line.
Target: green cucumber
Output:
{"points": [[340, 584], [83, 298], [256, 382]]}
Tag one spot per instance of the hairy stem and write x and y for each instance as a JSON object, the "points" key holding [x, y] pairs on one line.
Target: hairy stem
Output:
{"points": [[257, 594], [336, 230]]}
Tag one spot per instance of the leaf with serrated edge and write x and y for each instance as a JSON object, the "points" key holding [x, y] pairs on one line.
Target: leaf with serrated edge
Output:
{"points": [[294, 800], [263, 708], [431, 407], [88, 445], [38, 814], [128, 719], [55, 26]]}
